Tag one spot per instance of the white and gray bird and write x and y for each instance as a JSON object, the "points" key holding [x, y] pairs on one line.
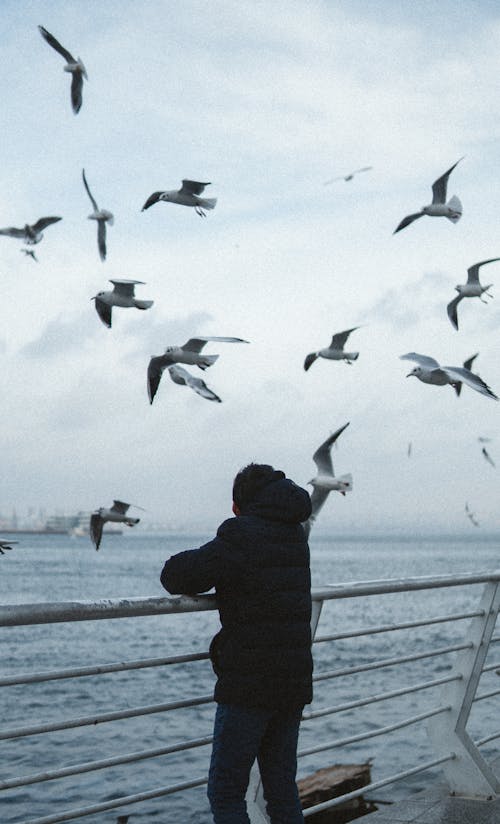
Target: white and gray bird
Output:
{"points": [[116, 513], [348, 176], [335, 351], [74, 67], [429, 371], [184, 378], [471, 289], [439, 207], [102, 216], [325, 480], [187, 195], [488, 457], [121, 295], [471, 515], [31, 233], [189, 353], [6, 545]]}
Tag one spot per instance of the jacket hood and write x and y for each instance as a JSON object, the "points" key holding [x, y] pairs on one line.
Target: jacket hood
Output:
{"points": [[280, 500]]}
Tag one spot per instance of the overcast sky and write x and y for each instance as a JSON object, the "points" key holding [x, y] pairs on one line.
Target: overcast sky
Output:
{"points": [[267, 100]]}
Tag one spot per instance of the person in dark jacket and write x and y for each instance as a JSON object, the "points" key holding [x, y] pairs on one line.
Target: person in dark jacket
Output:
{"points": [[259, 566]]}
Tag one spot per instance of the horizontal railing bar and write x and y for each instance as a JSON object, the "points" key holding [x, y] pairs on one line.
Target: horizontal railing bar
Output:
{"points": [[393, 627], [70, 815], [383, 696], [389, 662], [491, 667], [484, 695], [363, 736], [99, 669], [88, 720], [487, 739], [376, 785], [113, 761], [49, 613]]}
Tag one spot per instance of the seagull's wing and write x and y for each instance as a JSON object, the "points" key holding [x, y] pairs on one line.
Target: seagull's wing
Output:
{"points": [[104, 312], [101, 238], [423, 360], [92, 200], [155, 370], [200, 387], [44, 222], [322, 457], [120, 507], [152, 199], [11, 231], [473, 271], [76, 90], [96, 525], [51, 40], [310, 360], [458, 373], [340, 338], [488, 456], [178, 374], [440, 185], [192, 187], [197, 344], [452, 310], [124, 287], [407, 220], [318, 498], [468, 363]]}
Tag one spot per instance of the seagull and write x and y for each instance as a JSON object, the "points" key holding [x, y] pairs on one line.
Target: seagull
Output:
{"points": [[488, 456], [439, 207], [325, 481], [429, 371], [335, 351], [349, 176], [102, 216], [29, 253], [6, 545], [187, 195], [472, 289], [30, 233], [182, 377], [121, 295], [482, 439], [116, 513], [470, 515], [189, 353], [75, 67]]}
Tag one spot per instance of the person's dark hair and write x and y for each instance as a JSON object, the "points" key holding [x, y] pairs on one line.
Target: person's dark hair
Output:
{"points": [[251, 479]]}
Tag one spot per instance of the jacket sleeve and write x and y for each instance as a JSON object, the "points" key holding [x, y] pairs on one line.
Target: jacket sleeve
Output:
{"points": [[193, 571]]}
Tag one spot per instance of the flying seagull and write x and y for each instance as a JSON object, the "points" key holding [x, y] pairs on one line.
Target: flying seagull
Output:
{"points": [[470, 515], [75, 67], [189, 353], [102, 216], [117, 513], [182, 377], [6, 545], [472, 289], [348, 176], [488, 457], [325, 480], [29, 253], [429, 371], [121, 295], [187, 195], [439, 207], [335, 351], [31, 233]]}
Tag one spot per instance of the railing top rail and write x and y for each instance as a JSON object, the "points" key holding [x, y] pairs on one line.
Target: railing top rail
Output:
{"points": [[58, 612]]}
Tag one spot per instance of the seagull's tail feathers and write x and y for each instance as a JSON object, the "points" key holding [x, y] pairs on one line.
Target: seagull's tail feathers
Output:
{"points": [[207, 202], [207, 361], [143, 304], [455, 206], [346, 481]]}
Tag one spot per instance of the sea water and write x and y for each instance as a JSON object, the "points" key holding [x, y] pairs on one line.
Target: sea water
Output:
{"points": [[58, 568]]}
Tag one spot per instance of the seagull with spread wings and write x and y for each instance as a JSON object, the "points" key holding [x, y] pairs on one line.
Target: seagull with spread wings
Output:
{"points": [[74, 67], [116, 513], [102, 216], [189, 353], [31, 233], [471, 289], [122, 295], [348, 176], [439, 207], [335, 351], [6, 545], [325, 480], [429, 371], [187, 195]]}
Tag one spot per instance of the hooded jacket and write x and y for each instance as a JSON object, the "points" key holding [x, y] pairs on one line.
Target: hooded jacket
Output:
{"points": [[259, 566]]}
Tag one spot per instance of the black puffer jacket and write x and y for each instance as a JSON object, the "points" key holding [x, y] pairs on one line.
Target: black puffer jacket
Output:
{"points": [[259, 565]]}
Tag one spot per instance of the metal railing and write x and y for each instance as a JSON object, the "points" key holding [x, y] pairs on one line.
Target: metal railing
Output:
{"points": [[454, 694]]}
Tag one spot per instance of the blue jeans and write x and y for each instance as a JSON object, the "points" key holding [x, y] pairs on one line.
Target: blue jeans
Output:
{"points": [[242, 734]]}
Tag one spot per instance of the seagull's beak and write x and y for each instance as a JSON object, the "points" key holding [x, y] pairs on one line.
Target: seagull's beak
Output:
{"points": [[409, 374]]}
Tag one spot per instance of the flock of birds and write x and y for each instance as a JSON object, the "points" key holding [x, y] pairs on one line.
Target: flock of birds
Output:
{"points": [[428, 370]]}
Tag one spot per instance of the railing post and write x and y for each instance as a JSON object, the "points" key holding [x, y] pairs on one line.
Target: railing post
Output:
{"points": [[468, 773], [256, 805]]}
